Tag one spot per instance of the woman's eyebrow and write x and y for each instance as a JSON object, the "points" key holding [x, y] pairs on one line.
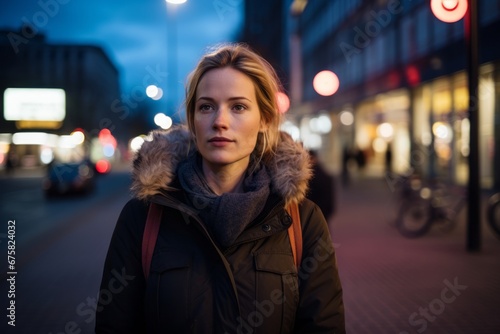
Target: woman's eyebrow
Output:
{"points": [[230, 99]]}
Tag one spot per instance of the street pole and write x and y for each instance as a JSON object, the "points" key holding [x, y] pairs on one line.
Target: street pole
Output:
{"points": [[172, 87], [172, 58], [474, 207]]}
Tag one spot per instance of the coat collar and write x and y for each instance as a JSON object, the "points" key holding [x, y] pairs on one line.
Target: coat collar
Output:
{"points": [[156, 162]]}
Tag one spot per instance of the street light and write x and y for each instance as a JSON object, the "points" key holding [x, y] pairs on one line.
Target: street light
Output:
{"points": [[163, 121], [172, 49], [154, 92], [453, 11]]}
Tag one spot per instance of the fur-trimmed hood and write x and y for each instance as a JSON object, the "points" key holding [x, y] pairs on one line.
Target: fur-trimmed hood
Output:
{"points": [[156, 163]]}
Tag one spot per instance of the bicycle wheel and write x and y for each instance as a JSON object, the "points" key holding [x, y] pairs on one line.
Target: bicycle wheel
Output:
{"points": [[414, 218], [494, 214]]}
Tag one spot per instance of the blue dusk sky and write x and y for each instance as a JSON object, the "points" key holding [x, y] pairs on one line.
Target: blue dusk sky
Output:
{"points": [[133, 33]]}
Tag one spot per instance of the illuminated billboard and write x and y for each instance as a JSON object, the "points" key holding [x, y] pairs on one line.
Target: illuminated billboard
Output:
{"points": [[34, 104]]}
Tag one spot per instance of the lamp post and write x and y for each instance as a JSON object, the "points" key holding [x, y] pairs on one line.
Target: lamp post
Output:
{"points": [[452, 11], [474, 212], [172, 51]]}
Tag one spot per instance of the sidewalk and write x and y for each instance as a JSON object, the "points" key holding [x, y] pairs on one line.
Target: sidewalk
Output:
{"points": [[23, 173], [402, 286]]}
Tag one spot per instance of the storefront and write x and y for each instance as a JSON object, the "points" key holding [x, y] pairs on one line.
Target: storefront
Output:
{"points": [[397, 130]]}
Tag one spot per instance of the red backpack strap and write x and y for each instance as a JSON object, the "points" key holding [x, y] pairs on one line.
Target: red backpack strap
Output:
{"points": [[295, 233], [150, 235]]}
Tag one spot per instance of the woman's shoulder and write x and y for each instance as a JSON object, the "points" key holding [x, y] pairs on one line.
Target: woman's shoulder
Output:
{"points": [[133, 214], [311, 216], [135, 205]]}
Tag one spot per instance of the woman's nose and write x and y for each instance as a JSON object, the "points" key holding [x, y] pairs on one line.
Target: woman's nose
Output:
{"points": [[221, 118]]}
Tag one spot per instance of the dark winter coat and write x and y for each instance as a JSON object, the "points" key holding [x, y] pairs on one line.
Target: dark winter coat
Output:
{"points": [[195, 286]]}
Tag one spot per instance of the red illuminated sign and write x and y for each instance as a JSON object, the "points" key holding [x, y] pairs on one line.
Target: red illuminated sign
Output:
{"points": [[449, 11]]}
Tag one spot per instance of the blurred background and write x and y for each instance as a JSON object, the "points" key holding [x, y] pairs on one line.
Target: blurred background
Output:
{"points": [[381, 90]]}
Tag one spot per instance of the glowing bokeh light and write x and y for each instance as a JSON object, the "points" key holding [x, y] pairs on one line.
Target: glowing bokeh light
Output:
{"points": [[283, 102], [151, 91], [136, 143], [449, 11], [102, 166], [291, 129], [326, 83], [163, 121], [154, 92], [321, 124], [346, 118], [78, 137], [385, 130]]}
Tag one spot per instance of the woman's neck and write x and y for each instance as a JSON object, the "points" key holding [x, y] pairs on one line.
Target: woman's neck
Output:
{"points": [[224, 179]]}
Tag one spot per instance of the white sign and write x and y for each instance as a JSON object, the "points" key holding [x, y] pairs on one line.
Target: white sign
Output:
{"points": [[34, 104]]}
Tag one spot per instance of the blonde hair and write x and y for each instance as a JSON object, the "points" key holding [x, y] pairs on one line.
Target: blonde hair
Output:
{"points": [[241, 58]]}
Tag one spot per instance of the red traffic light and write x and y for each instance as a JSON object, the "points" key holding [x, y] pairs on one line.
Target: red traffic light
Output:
{"points": [[449, 10]]}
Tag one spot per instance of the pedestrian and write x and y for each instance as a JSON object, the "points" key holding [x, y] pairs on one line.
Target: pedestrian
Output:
{"points": [[388, 159], [346, 159], [223, 261], [322, 187], [10, 161]]}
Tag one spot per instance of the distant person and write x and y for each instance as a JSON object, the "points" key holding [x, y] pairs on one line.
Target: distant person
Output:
{"points": [[346, 159], [322, 187], [360, 159], [223, 261], [10, 162], [388, 159]]}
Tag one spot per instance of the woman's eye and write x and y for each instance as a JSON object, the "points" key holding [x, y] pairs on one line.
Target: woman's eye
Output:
{"points": [[239, 107], [205, 107]]}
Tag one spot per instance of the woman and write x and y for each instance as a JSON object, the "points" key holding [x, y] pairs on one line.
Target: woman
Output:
{"points": [[223, 261]]}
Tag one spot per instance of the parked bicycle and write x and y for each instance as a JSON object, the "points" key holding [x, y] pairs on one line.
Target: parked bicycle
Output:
{"points": [[426, 204], [493, 213], [423, 205]]}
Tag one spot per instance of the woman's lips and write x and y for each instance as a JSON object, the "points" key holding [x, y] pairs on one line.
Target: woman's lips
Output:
{"points": [[220, 141]]}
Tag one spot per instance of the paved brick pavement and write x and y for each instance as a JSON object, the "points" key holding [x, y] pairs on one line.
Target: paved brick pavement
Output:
{"points": [[396, 285]]}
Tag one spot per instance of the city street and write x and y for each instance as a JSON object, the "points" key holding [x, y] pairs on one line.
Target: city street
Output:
{"points": [[61, 244], [391, 284]]}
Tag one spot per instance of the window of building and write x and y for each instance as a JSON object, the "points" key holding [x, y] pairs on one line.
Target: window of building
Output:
{"points": [[378, 55], [357, 70], [422, 31], [405, 39], [439, 33], [368, 59], [390, 48], [489, 11], [457, 30]]}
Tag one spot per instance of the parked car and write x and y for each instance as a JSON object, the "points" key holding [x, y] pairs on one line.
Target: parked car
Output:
{"points": [[69, 178]]}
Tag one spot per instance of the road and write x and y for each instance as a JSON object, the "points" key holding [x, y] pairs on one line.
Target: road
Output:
{"points": [[60, 246]]}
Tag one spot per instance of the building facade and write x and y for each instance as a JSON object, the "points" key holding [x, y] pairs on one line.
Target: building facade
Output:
{"points": [[266, 30], [84, 73], [403, 86]]}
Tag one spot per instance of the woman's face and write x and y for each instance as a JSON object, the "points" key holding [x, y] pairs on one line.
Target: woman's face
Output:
{"points": [[226, 118]]}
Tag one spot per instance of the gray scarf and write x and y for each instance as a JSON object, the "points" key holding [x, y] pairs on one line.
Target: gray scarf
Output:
{"points": [[227, 215]]}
